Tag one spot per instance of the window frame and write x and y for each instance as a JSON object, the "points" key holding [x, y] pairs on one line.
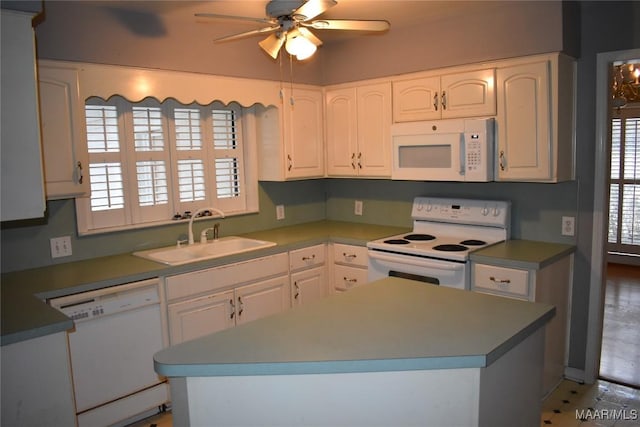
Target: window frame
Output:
{"points": [[134, 216]]}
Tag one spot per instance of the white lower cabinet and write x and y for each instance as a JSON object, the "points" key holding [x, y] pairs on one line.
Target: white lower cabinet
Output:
{"points": [[349, 267], [549, 284], [308, 274], [206, 301]]}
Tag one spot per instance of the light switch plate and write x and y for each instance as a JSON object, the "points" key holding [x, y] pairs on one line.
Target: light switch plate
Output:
{"points": [[279, 212], [60, 246]]}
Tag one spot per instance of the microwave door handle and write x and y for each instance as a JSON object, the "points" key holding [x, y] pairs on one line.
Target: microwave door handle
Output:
{"points": [[463, 153], [416, 262]]}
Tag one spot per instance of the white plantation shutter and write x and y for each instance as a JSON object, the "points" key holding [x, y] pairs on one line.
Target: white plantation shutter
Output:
{"points": [[149, 161], [624, 197], [228, 158], [106, 174]]}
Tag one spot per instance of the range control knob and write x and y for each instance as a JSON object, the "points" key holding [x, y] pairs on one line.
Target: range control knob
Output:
{"points": [[485, 211], [496, 211]]}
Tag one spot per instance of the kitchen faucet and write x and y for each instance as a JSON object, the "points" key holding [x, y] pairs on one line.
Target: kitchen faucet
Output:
{"points": [[198, 212]]}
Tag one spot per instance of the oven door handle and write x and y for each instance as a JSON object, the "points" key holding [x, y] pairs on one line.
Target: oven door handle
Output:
{"points": [[417, 262]]}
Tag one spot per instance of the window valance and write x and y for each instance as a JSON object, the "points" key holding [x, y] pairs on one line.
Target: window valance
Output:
{"points": [[136, 84]]}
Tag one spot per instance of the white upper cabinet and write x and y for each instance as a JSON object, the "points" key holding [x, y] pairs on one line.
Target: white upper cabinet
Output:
{"points": [[22, 176], [64, 141], [535, 120], [358, 121], [291, 138], [432, 97]]}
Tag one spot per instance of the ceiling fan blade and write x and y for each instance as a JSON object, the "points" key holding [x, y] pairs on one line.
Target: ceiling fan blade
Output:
{"points": [[312, 8], [240, 18], [248, 34], [310, 36], [348, 24], [272, 44]]}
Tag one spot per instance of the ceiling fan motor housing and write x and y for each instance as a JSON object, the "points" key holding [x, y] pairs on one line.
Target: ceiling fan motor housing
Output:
{"points": [[277, 8]]}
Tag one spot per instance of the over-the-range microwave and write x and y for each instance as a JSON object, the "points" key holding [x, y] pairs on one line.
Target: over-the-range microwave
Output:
{"points": [[444, 150]]}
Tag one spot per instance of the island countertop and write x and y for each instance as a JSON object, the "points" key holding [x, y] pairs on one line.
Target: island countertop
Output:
{"points": [[390, 325]]}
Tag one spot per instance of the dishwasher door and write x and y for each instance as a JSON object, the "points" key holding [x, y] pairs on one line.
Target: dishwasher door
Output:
{"points": [[117, 332]]}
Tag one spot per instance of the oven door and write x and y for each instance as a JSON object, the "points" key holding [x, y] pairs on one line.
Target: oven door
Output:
{"points": [[451, 274]]}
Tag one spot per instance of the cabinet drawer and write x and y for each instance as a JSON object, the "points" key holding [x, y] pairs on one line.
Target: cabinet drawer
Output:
{"points": [[350, 255], [501, 280], [225, 276], [307, 257], [345, 278]]}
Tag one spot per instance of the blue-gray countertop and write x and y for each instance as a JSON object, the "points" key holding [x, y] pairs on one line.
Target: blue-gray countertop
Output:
{"points": [[389, 325], [24, 313]]}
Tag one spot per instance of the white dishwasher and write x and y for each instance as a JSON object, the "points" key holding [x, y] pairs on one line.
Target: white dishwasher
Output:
{"points": [[117, 332]]}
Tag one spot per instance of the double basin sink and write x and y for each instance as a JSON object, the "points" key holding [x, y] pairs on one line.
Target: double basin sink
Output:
{"points": [[225, 246]]}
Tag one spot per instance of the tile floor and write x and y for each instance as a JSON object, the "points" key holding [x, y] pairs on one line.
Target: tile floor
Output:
{"points": [[602, 404]]}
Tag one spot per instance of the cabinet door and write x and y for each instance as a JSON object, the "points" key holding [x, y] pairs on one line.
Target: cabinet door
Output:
{"points": [[524, 134], [262, 299], [201, 316], [63, 143], [374, 130], [308, 285], [303, 134], [341, 129], [468, 94], [416, 99], [21, 169]]}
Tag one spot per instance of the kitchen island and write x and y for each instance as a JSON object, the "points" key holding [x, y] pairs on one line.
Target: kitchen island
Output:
{"points": [[394, 352]]}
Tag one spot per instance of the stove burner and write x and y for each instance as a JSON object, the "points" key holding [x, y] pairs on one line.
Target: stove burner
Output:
{"points": [[450, 248], [397, 242], [473, 242], [419, 237]]}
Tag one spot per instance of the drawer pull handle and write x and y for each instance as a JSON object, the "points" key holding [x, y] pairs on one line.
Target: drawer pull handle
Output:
{"points": [[309, 258], [347, 280], [493, 279], [349, 256]]}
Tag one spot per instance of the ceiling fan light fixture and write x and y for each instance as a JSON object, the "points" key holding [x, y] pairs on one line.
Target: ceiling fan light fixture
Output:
{"points": [[299, 46]]}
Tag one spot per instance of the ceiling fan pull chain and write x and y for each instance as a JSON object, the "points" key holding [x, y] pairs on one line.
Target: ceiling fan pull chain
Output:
{"points": [[281, 79], [291, 100]]}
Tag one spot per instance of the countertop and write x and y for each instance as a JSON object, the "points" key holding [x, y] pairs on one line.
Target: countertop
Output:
{"points": [[389, 325], [526, 254], [25, 314]]}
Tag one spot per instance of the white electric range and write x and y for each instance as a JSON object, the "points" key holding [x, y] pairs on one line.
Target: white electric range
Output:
{"points": [[444, 232]]}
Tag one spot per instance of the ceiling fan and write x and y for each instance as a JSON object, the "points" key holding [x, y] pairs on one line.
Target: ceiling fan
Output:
{"points": [[289, 23]]}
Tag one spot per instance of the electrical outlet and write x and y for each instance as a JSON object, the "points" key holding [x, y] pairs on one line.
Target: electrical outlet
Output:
{"points": [[279, 212], [568, 226], [358, 207], [60, 246]]}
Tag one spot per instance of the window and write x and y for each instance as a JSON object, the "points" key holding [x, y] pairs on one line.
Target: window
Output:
{"points": [[150, 160], [624, 194]]}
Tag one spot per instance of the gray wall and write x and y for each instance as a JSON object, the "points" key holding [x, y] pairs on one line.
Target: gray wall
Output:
{"points": [[76, 31]]}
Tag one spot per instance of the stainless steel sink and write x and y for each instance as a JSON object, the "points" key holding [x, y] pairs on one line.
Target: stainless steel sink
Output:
{"points": [[230, 245]]}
